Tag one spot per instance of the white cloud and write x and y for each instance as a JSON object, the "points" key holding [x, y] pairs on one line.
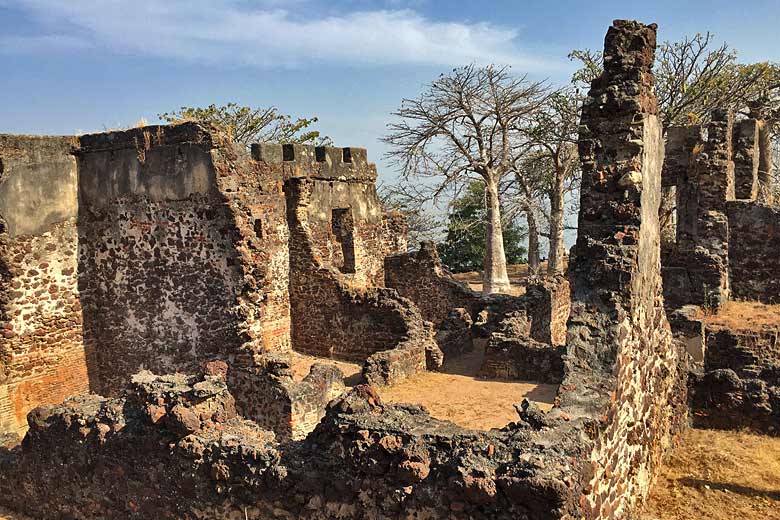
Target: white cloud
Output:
{"points": [[229, 31]]}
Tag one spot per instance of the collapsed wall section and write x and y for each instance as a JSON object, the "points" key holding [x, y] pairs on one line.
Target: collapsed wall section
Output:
{"points": [[338, 239], [42, 354]]}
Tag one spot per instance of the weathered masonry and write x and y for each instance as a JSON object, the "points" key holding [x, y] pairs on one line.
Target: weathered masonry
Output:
{"points": [[162, 248], [182, 442], [724, 245]]}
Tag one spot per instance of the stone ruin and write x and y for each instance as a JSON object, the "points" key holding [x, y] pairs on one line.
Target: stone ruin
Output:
{"points": [[166, 250], [724, 248]]}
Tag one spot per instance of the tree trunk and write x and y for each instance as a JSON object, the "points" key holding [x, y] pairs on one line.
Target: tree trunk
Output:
{"points": [[495, 278], [533, 241], [555, 262]]}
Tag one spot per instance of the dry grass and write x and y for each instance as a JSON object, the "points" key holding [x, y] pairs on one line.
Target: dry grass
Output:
{"points": [[744, 316], [5, 514], [719, 475]]}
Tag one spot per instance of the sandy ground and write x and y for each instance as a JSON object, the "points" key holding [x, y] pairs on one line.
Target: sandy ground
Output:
{"points": [[517, 275], [302, 364], [456, 395], [717, 475]]}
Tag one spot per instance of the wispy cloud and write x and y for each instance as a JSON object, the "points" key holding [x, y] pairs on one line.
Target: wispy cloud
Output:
{"points": [[231, 31]]}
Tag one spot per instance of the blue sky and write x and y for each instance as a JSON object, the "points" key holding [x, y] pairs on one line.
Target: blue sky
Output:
{"points": [[84, 65]]}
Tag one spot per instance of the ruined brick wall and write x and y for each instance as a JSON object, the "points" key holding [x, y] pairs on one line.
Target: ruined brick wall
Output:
{"points": [[167, 273], [421, 277], [339, 308], [42, 356], [513, 353], [740, 383], [696, 271], [683, 143], [291, 409], [753, 258], [622, 373]]}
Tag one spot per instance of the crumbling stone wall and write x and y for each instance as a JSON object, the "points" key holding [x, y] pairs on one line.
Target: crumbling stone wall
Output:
{"points": [[42, 355], [524, 334], [623, 379], [722, 246], [753, 251], [697, 270], [173, 447], [746, 159], [421, 277], [337, 312], [291, 409], [167, 273], [513, 353], [739, 385]]}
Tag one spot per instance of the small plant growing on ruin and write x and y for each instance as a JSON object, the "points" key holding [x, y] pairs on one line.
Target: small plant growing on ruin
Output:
{"points": [[246, 125]]}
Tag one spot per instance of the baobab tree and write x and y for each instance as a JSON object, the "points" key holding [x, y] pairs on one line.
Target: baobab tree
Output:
{"points": [[463, 127], [553, 133]]}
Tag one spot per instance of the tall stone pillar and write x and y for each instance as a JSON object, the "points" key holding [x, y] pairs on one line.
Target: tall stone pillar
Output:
{"points": [[680, 144], [760, 112], [746, 158], [621, 361], [714, 169]]}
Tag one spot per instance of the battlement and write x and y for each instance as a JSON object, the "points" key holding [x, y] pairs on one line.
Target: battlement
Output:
{"points": [[317, 161]]}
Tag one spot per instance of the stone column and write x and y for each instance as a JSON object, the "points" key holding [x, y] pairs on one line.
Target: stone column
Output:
{"points": [[760, 112], [746, 159], [621, 364], [714, 169], [677, 196]]}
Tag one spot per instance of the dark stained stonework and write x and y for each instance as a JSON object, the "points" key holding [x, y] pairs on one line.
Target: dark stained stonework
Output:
{"points": [[165, 247], [753, 251], [739, 384], [623, 372]]}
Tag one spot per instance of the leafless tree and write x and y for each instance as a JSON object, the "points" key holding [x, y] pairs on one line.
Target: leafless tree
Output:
{"points": [[554, 133], [464, 126], [411, 200], [691, 78]]}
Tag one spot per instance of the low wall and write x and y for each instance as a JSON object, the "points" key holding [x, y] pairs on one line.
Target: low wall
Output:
{"points": [[753, 259], [739, 386], [421, 277], [288, 408]]}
